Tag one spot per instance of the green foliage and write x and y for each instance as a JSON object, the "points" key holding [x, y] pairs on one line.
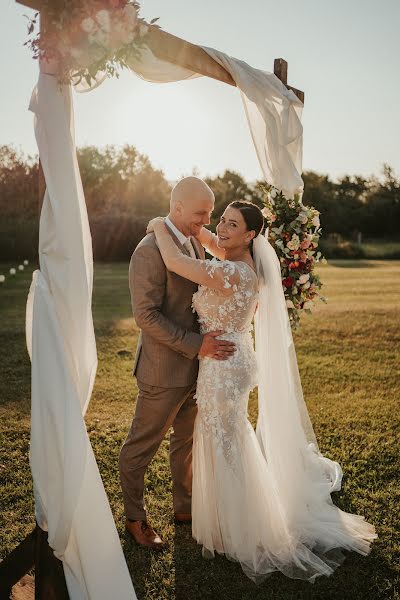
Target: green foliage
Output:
{"points": [[356, 204], [122, 182], [348, 362], [337, 248], [122, 191], [18, 184]]}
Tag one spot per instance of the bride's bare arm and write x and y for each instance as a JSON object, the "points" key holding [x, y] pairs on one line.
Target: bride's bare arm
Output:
{"points": [[209, 240], [223, 276]]}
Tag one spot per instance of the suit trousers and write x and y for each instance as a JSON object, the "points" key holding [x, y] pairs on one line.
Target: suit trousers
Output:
{"points": [[157, 409]]}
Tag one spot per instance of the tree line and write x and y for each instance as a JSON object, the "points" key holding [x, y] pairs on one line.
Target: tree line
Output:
{"points": [[123, 191]]}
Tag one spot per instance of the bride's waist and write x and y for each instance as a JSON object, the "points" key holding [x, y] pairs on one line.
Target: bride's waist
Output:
{"points": [[243, 334]]}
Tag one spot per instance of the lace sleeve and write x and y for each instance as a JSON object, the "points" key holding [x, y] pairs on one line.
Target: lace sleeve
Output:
{"points": [[221, 275], [209, 241]]}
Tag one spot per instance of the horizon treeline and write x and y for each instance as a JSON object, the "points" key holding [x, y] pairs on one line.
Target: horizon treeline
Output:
{"points": [[123, 191]]}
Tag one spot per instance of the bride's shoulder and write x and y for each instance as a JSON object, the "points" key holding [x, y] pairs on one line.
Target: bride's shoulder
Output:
{"points": [[232, 267], [247, 269]]}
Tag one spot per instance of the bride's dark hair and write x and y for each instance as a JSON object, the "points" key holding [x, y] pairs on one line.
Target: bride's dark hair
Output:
{"points": [[251, 214]]}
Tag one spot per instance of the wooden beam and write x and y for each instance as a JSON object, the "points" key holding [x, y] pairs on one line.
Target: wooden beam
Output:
{"points": [[35, 4], [184, 54], [179, 52], [281, 71]]}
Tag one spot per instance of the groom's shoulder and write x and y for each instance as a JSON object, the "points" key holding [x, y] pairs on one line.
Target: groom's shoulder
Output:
{"points": [[149, 241], [147, 248]]}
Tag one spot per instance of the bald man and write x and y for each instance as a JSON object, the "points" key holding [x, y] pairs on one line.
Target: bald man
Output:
{"points": [[166, 363]]}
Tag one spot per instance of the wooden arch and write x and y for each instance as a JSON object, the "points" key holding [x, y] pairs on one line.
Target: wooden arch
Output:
{"points": [[34, 551]]}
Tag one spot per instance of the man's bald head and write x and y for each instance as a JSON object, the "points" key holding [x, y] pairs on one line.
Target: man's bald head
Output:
{"points": [[190, 188], [192, 202]]}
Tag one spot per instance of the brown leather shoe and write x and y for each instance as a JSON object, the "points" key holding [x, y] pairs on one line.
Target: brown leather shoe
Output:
{"points": [[183, 517], [144, 535]]}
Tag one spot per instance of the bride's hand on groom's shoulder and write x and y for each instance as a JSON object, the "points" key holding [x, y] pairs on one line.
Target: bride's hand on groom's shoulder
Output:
{"points": [[153, 224]]}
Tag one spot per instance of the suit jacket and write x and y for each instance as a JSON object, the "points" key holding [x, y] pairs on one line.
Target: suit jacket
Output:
{"points": [[169, 341]]}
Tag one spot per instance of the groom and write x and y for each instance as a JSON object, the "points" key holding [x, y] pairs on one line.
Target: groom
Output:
{"points": [[166, 363]]}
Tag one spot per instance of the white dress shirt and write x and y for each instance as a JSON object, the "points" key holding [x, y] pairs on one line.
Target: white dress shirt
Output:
{"points": [[181, 237], [185, 241]]}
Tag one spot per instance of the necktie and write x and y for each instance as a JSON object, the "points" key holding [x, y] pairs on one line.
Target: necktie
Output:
{"points": [[189, 247]]}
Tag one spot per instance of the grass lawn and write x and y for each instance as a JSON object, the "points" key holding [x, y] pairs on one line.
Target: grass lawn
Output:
{"points": [[348, 354]]}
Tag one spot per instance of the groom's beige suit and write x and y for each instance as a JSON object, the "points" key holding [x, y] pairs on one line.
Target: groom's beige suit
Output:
{"points": [[166, 367]]}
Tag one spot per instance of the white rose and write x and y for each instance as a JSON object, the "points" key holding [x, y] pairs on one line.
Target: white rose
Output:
{"points": [[302, 218], [308, 305], [306, 285], [2, 279], [20, 267], [316, 221], [289, 304], [88, 25], [121, 35], [294, 242], [12, 271], [130, 15], [273, 193], [103, 19], [303, 278], [26, 262]]}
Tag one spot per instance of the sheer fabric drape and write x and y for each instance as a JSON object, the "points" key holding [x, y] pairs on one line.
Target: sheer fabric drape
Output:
{"points": [[70, 500]]}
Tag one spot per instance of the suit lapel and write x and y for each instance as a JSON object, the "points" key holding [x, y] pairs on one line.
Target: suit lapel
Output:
{"points": [[177, 242], [198, 248]]}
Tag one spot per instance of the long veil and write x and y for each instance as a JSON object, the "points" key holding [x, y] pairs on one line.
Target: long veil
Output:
{"points": [[303, 478]]}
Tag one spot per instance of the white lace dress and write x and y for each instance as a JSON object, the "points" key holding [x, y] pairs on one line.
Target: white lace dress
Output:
{"points": [[236, 504], [236, 509], [230, 481]]}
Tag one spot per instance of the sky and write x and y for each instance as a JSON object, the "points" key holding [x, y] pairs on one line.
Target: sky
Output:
{"points": [[345, 55]]}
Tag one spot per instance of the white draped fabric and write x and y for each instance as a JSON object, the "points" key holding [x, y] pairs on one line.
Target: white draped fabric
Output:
{"points": [[69, 495], [273, 113]]}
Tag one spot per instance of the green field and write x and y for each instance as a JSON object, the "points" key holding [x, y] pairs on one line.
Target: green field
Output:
{"points": [[348, 353]]}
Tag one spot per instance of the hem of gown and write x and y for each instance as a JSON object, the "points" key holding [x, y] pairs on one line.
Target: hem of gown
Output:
{"points": [[330, 560]]}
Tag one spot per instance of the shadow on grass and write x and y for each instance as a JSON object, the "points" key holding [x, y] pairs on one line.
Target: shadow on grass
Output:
{"points": [[139, 561], [359, 578], [353, 264]]}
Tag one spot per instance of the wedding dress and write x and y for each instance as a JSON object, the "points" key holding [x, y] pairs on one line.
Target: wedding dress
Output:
{"points": [[240, 508]]}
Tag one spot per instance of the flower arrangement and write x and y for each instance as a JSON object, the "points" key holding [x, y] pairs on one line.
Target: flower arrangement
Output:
{"points": [[88, 38], [294, 232]]}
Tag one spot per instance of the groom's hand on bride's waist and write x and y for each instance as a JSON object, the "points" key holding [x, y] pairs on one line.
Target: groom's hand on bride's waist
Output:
{"points": [[214, 348]]}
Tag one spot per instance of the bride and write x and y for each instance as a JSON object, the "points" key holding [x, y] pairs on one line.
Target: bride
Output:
{"points": [[261, 498]]}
